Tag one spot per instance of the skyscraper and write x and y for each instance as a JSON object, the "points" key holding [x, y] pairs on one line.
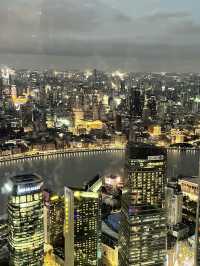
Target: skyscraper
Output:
{"points": [[174, 203], [54, 219], [25, 219], [143, 225], [56, 222], [152, 107], [82, 227], [136, 104]]}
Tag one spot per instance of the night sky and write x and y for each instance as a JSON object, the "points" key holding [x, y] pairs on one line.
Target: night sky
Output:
{"points": [[145, 35]]}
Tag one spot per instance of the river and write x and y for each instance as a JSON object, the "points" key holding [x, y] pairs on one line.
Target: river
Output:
{"points": [[75, 170]]}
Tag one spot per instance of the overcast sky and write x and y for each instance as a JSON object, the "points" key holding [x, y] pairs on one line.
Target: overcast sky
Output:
{"points": [[149, 35]]}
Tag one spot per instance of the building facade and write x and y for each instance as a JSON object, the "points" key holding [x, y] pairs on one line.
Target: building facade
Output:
{"points": [[189, 187], [109, 256], [54, 219], [25, 220], [82, 227], [142, 236], [174, 204]]}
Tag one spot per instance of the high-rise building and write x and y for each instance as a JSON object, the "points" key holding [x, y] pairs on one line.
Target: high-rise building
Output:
{"points": [[136, 104], [152, 107], [25, 220], [174, 208], [54, 219], [174, 203], [78, 116], [82, 227], [143, 226]]}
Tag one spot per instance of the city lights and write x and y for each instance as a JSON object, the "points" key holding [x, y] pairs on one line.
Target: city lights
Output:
{"points": [[137, 135]]}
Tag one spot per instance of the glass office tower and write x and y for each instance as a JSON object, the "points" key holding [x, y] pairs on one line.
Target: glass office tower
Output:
{"points": [[82, 227], [25, 219], [142, 237]]}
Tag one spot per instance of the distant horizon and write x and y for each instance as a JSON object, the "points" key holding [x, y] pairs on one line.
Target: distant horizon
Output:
{"points": [[43, 62]]}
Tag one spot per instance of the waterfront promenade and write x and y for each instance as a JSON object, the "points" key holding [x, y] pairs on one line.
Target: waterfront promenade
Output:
{"points": [[33, 155], [71, 152]]}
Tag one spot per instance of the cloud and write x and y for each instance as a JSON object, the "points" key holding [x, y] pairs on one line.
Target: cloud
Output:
{"points": [[166, 16], [188, 28], [98, 29]]}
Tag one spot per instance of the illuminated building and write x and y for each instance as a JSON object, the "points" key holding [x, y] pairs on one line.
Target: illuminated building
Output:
{"points": [[179, 139], [174, 203], [18, 101], [189, 187], [102, 112], [78, 115], [85, 126], [109, 256], [113, 182], [3, 241], [13, 91], [174, 207], [82, 227], [152, 107], [62, 122], [177, 136], [53, 219], [25, 220], [143, 225], [50, 121], [5, 75], [155, 130], [146, 111], [56, 221], [95, 112], [46, 217], [105, 100], [89, 125]]}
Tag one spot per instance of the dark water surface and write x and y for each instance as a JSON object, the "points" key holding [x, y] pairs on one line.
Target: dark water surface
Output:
{"points": [[75, 170]]}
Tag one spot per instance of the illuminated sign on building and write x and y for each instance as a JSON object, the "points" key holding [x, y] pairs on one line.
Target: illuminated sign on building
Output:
{"points": [[22, 189], [155, 158]]}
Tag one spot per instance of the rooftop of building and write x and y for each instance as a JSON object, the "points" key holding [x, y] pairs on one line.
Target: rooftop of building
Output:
{"points": [[113, 221], [138, 150], [191, 179], [87, 184], [143, 145], [26, 179], [108, 231]]}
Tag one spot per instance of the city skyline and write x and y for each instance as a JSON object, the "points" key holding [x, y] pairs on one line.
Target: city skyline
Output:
{"points": [[99, 133], [113, 144]]}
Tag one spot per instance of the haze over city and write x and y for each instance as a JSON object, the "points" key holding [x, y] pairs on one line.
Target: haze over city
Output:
{"points": [[139, 35]]}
